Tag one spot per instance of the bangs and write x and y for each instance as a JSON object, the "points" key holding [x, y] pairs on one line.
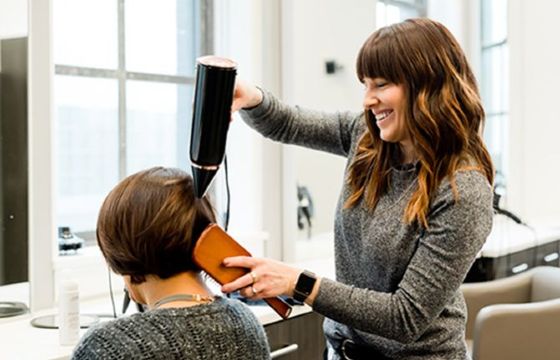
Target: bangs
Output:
{"points": [[380, 57]]}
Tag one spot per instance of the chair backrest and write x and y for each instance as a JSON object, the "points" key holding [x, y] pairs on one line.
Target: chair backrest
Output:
{"points": [[511, 290], [519, 330], [545, 283]]}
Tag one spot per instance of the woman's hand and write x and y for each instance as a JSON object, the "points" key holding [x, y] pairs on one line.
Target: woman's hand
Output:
{"points": [[245, 95], [266, 278]]}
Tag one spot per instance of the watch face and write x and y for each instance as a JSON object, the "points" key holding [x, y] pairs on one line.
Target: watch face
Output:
{"points": [[304, 285]]}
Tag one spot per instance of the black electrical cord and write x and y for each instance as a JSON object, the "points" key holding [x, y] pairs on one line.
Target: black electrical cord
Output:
{"points": [[506, 213], [111, 293], [228, 195], [500, 211], [228, 198]]}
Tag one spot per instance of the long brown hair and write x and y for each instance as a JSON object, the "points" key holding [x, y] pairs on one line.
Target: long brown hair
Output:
{"points": [[149, 223], [444, 114]]}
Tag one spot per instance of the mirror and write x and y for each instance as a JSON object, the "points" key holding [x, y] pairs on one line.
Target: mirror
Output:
{"points": [[14, 286]]}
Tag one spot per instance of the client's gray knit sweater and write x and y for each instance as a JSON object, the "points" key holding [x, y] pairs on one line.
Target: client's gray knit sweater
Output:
{"points": [[223, 329], [398, 285]]}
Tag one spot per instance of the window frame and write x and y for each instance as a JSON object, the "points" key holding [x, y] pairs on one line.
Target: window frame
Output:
{"points": [[503, 91], [204, 17]]}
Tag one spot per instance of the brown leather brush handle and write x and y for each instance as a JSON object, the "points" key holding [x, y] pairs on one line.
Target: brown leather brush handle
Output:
{"points": [[279, 305], [212, 247]]}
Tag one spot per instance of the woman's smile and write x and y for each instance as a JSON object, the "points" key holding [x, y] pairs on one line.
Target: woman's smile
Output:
{"points": [[383, 117]]}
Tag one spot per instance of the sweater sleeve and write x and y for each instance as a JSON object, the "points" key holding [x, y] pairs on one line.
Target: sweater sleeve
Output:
{"points": [[294, 125], [445, 251]]}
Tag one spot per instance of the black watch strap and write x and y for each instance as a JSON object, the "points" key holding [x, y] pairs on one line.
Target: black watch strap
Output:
{"points": [[304, 285]]}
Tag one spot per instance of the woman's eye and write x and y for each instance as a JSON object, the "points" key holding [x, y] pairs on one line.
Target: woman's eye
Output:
{"points": [[371, 85]]}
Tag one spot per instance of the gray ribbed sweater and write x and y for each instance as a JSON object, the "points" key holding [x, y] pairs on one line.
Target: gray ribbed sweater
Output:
{"points": [[397, 286], [223, 329]]}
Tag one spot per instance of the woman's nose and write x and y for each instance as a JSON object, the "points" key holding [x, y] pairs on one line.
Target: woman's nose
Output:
{"points": [[370, 101]]}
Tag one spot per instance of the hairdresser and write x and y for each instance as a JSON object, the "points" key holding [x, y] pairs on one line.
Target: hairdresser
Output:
{"points": [[415, 208]]}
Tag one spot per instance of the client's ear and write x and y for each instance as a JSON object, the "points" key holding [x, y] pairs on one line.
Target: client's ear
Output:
{"points": [[133, 291]]}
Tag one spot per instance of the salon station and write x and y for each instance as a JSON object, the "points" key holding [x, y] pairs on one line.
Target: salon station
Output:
{"points": [[92, 91]]}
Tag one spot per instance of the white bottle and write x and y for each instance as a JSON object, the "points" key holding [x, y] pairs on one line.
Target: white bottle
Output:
{"points": [[68, 313]]}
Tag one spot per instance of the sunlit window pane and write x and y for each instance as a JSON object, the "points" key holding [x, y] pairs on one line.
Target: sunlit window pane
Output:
{"points": [[159, 37], [495, 79], [408, 13], [157, 118], [391, 12], [85, 33], [380, 14], [97, 143], [504, 94], [494, 21], [387, 14], [495, 137], [86, 147]]}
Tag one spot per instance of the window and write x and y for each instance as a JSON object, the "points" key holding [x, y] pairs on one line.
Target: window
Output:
{"points": [[495, 82], [124, 75], [393, 11]]}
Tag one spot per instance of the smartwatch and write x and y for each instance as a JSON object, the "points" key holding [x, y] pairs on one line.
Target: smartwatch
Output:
{"points": [[304, 285]]}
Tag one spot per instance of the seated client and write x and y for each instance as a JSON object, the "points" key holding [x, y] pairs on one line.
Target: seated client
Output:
{"points": [[147, 228]]}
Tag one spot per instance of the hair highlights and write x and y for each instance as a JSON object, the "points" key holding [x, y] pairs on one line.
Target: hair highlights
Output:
{"points": [[444, 113]]}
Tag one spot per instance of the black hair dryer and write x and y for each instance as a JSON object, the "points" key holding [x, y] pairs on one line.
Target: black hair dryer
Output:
{"points": [[215, 82]]}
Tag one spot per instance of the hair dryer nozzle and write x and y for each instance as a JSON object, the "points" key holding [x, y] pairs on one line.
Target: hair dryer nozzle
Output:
{"points": [[202, 179]]}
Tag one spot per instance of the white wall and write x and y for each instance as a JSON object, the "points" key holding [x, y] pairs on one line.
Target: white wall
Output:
{"points": [[534, 165], [248, 32], [318, 30], [237, 31], [13, 18], [314, 31]]}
